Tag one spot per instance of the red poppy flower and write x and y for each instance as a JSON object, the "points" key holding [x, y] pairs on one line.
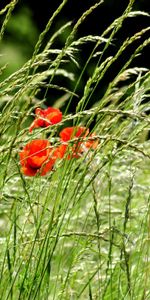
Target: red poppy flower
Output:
{"points": [[68, 134], [46, 117], [92, 142], [37, 157], [73, 132]]}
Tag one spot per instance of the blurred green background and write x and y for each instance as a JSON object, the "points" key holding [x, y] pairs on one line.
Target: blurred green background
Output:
{"points": [[28, 20]]}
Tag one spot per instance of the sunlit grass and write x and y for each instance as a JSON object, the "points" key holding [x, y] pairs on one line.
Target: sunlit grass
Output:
{"points": [[81, 231]]}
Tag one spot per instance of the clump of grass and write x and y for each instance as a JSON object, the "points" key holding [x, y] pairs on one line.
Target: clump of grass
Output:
{"points": [[82, 231]]}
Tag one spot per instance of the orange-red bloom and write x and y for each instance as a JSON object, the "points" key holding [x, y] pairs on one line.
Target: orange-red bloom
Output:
{"points": [[46, 117], [78, 147], [37, 157], [91, 143], [73, 132], [68, 134]]}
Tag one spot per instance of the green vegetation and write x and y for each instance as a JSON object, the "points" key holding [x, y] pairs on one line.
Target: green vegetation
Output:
{"points": [[83, 230]]}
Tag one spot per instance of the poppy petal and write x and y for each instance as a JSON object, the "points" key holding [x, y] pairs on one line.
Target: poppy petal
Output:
{"points": [[28, 171]]}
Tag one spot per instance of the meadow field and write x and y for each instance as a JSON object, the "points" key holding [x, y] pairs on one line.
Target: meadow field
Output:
{"points": [[75, 185]]}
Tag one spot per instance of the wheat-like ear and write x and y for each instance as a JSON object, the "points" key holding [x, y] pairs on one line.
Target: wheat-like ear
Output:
{"points": [[42, 35], [82, 230], [10, 8]]}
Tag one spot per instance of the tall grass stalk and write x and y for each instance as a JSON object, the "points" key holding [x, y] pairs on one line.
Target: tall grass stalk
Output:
{"points": [[83, 230]]}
